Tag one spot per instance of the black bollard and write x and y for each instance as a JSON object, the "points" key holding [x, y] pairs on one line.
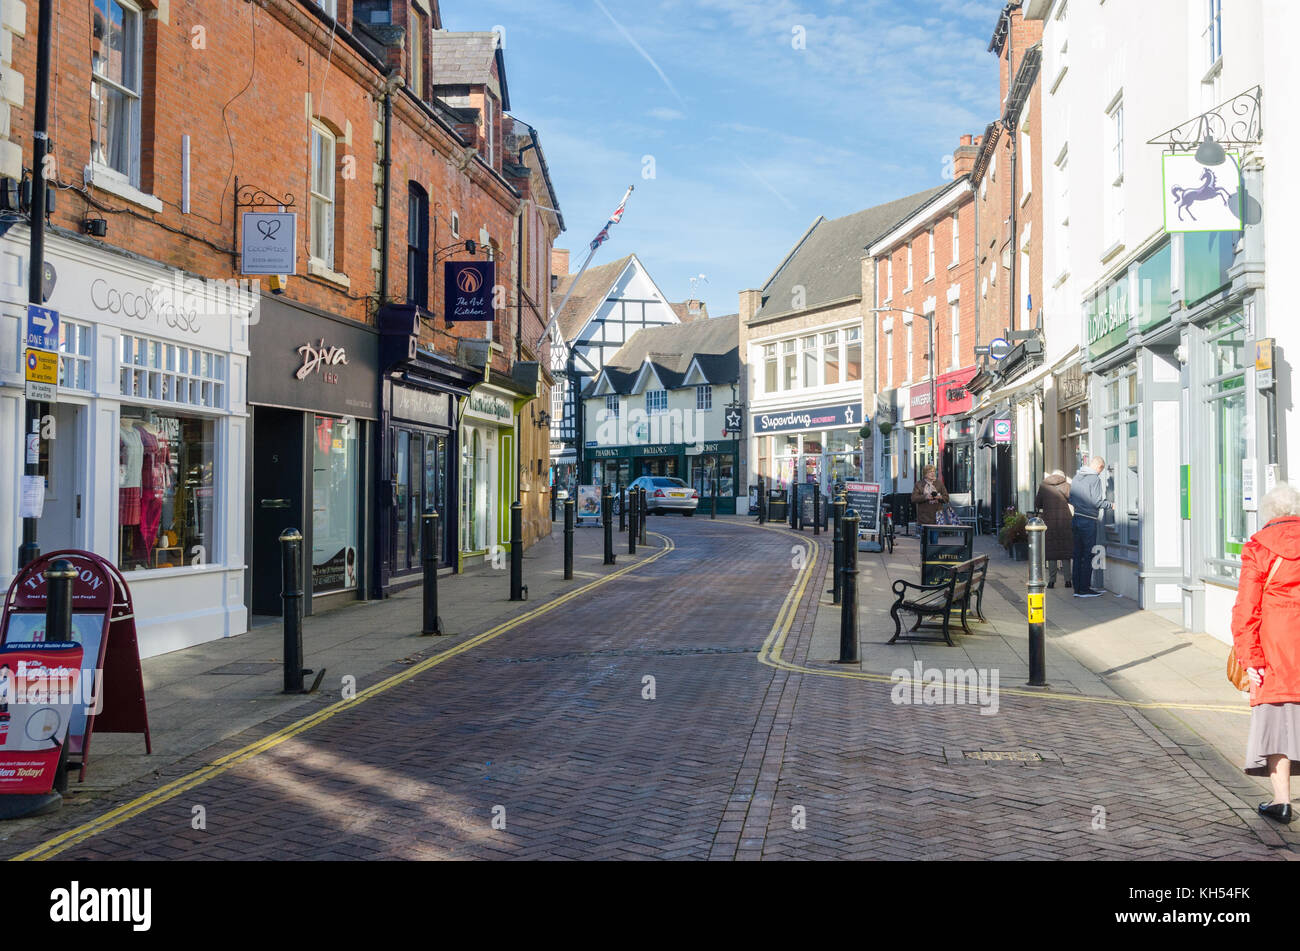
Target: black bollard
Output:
{"points": [[553, 492], [568, 539], [518, 590], [429, 543], [607, 521], [794, 505], [622, 509], [645, 512], [762, 503], [58, 604], [713, 510], [291, 595], [632, 528], [1037, 615], [837, 514], [849, 590], [817, 510]]}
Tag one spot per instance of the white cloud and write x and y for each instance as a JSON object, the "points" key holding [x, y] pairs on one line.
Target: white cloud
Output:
{"points": [[666, 114]]}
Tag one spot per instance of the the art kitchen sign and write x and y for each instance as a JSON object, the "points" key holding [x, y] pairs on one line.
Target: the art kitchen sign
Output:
{"points": [[797, 420], [468, 287]]}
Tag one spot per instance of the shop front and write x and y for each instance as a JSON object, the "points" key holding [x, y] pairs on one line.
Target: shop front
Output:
{"points": [[956, 432], [487, 471], [819, 445], [713, 467], [313, 391], [417, 465], [142, 455]]}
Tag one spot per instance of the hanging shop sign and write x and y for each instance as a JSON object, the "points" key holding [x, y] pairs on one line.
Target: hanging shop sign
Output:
{"points": [[1199, 198], [821, 417], [467, 288], [492, 408], [1002, 431], [734, 420], [954, 398], [269, 243]]}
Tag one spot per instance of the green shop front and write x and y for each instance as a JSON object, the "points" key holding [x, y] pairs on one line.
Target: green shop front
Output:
{"points": [[487, 472], [702, 465]]}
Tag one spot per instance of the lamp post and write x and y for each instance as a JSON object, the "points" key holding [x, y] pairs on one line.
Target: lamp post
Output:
{"points": [[934, 406]]}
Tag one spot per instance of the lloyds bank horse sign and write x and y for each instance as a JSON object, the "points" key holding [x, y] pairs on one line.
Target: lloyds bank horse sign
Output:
{"points": [[1201, 198]]}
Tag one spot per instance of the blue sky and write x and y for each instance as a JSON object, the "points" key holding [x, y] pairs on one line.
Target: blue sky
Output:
{"points": [[751, 137]]}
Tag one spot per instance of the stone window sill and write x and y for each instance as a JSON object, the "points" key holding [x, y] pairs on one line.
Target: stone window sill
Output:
{"points": [[317, 268], [112, 181]]}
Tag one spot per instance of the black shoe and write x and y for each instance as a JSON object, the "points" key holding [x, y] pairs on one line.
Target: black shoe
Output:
{"points": [[1051, 584], [1278, 811], [1069, 584]]}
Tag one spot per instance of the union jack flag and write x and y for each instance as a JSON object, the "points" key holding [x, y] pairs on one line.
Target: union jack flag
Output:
{"points": [[614, 219]]}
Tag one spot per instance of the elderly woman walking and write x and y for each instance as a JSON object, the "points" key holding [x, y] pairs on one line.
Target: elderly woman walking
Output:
{"points": [[1266, 638], [1053, 500]]}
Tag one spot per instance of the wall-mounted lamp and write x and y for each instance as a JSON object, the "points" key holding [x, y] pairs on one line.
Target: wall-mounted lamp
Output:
{"points": [[1210, 152], [543, 419], [98, 227]]}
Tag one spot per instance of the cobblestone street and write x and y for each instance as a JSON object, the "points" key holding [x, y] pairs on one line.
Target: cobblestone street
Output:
{"points": [[638, 722]]}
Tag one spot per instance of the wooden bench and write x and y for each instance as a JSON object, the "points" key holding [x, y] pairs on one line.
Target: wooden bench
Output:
{"points": [[940, 600]]}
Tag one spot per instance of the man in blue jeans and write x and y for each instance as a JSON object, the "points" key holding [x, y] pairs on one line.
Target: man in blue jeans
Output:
{"points": [[1088, 497]]}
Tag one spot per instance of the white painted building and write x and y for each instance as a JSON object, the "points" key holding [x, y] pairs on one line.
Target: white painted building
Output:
{"points": [[1167, 323]]}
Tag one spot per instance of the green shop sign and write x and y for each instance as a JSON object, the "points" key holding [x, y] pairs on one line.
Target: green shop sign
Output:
{"points": [[1108, 318], [490, 407]]}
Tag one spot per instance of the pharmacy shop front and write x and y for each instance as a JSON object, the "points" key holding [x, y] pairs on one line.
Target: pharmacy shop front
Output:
{"points": [[142, 454]]}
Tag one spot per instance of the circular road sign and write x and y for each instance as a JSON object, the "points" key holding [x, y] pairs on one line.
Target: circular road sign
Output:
{"points": [[999, 348]]}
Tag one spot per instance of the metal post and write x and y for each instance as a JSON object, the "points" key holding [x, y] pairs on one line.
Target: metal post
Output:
{"points": [[1037, 530], [645, 512], [607, 520], [518, 590], [568, 539], [429, 543], [291, 594], [817, 509], [58, 627], [837, 514], [554, 492], [713, 489], [762, 503], [632, 527], [622, 509], [793, 496], [849, 590]]}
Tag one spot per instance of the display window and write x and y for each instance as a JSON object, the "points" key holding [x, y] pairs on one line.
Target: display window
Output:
{"points": [[335, 492]]}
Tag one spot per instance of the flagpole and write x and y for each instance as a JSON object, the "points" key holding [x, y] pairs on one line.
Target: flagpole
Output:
{"points": [[555, 312]]}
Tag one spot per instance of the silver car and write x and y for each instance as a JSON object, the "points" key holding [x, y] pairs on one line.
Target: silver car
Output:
{"points": [[667, 494]]}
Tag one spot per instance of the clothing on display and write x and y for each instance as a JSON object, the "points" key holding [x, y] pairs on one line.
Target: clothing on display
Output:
{"points": [[130, 473]]}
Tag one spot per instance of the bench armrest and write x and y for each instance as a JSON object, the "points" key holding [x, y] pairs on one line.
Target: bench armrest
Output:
{"points": [[901, 586]]}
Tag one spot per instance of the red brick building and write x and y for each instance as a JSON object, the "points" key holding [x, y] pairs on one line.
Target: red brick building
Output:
{"points": [[337, 395]]}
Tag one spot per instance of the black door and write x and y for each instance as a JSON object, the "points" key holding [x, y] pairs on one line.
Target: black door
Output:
{"points": [[277, 499]]}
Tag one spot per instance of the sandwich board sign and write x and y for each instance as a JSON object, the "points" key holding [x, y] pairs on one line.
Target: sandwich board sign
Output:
{"points": [[863, 498]]}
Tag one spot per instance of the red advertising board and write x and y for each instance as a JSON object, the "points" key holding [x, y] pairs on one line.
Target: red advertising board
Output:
{"points": [[40, 692], [103, 633], [953, 397]]}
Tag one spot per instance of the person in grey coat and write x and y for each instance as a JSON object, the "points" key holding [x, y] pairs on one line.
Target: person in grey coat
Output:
{"points": [[1088, 496], [1053, 501]]}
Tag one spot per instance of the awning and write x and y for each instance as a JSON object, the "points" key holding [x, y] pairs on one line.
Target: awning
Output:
{"points": [[1030, 379]]}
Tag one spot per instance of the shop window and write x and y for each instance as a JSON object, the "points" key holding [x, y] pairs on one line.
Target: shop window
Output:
{"points": [[1074, 438], [1226, 394], [830, 358], [1122, 477], [852, 354], [335, 492], [769, 368], [76, 346], [1154, 296], [1207, 256], [115, 89], [166, 490], [155, 370]]}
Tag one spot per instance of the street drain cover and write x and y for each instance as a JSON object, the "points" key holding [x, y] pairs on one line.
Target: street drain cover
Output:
{"points": [[1020, 756]]}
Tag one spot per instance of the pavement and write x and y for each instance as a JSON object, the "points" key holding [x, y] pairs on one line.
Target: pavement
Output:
{"points": [[684, 703]]}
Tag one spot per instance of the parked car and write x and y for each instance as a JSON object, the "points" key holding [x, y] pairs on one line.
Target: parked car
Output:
{"points": [[667, 494]]}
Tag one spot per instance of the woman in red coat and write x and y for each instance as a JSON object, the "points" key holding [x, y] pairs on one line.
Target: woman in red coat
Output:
{"points": [[1266, 637]]}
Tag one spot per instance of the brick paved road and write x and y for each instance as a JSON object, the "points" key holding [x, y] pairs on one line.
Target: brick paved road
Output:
{"points": [[548, 723]]}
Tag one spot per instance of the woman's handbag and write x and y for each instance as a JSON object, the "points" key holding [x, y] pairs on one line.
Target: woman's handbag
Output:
{"points": [[947, 516], [1237, 675]]}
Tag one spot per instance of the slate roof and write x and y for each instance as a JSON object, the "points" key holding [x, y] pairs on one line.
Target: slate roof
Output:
{"points": [[714, 341], [465, 59], [827, 260], [589, 294]]}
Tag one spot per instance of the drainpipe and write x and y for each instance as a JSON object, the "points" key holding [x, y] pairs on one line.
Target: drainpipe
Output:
{"points": [[391, 85]]}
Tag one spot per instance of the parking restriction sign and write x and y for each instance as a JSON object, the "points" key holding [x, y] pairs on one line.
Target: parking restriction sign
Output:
{"points": [[42, 375]]}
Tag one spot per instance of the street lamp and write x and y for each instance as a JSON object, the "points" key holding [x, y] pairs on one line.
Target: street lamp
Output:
{"points": [[934, 406]]}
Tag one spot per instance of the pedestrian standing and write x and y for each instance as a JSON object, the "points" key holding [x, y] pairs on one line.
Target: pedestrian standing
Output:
{"points": [[1088, 497], [1053, 501], [929, 495], [1266, 639]]}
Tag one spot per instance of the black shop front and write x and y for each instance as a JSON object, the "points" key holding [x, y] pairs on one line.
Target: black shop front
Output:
{"points": [[313, 398]]}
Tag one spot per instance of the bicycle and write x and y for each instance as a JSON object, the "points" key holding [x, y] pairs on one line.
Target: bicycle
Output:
{"points": [[887, 525]]}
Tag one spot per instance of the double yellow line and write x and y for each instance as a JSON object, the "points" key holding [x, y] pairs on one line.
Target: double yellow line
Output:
{"points": [[774, 647], [162, 794]]}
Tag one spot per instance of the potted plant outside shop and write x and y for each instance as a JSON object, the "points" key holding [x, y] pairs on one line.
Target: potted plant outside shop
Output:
{"points": [[1013, 536]]}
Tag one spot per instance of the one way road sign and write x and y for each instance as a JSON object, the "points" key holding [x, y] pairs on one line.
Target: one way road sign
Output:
{"points": [[42, 329]]}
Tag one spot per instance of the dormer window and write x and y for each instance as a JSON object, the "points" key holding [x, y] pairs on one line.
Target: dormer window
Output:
{"points": [[372, 12]]}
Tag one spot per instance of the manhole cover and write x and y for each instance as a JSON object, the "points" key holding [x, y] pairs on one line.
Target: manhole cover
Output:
{"points": [[1021, 756]]}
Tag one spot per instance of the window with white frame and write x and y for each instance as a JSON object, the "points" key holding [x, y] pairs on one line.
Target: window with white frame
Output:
{"points": [[1213, 32], [1026, 165], [116, 51], [910, 328], [889, 270], [611, 406], [852, 354], [889, 358], [930, 272], [830, 358], [704, 397], [455, 224], [809, 347], [909, 267], [954, 318], [331, 7], [489, 129], [1115, 172], [76, 347], [167, 372], [789, 369], [956, 238], [656, 402], [1063, 214], [769, 368], [322, 194]]}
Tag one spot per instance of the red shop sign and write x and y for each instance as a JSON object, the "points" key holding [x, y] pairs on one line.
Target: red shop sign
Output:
{"points": [[954, 399]]}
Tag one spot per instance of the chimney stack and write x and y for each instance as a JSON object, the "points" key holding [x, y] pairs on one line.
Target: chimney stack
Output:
{"points": [[963, 157], [750, 302], [559, 262]]}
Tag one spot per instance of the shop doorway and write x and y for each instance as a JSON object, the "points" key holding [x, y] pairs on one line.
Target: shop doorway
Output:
{"points": [[60, 524], [419, 466], [277, 499]]}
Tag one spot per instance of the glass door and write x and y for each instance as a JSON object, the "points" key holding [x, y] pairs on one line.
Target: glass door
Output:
{"points": [[401, 499]]}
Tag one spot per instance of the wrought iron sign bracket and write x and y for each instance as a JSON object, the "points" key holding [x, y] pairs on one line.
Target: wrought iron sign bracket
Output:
{"points": [[1238, 122], [250, 196]]}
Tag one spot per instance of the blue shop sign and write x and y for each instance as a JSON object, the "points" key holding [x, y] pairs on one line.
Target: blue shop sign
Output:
{"points": [[799, 420]]}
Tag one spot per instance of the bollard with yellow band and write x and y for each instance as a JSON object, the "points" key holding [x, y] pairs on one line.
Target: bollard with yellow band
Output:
{"points": [[1037, 530]]}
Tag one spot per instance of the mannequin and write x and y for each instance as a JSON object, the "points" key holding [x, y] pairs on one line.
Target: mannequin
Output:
{"points": [[154, 480], [130, 465]]}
